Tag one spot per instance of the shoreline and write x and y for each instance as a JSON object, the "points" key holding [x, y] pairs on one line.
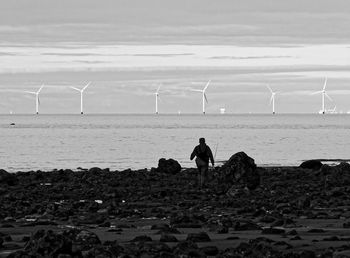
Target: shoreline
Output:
{"points": [[293, 210]]}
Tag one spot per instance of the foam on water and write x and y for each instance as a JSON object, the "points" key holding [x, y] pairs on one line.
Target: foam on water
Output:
{"points": [[119, 142]]}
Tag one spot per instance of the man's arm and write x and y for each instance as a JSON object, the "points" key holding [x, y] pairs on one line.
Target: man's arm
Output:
{"points": [[211, 156], [193, 154]]}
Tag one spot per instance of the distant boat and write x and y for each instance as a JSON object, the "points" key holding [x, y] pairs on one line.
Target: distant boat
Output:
{"points": [[222, 110]]}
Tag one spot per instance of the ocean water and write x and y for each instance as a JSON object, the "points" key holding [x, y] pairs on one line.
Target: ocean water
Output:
{"points": [[119, 142]]}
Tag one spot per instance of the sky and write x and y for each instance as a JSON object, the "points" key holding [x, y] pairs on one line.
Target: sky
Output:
{"points": [[127, 48]]}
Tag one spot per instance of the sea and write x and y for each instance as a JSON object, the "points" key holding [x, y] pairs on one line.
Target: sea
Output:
{"points": [[119, 142]]}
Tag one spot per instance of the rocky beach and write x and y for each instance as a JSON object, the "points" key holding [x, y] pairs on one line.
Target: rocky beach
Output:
{"points": [[244, 211]]}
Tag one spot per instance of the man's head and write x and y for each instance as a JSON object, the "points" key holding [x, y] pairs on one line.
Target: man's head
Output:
{"points": [[201, 140]]}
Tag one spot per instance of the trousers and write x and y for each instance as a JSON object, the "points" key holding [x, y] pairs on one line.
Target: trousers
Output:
{"points": [[202, 171]]}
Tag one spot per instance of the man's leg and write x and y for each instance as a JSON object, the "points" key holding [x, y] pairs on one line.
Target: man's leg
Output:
{"points": [[199, 177], [204, 175]]}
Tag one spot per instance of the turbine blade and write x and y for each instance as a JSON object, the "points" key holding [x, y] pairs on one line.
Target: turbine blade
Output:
{"points": [[207, 85], [269, 88], [38, 100], [87, 85], [158, 88], [325, 83], [317, 92], [196, 90], [42, 86], [31, 92], [74, 88], [205, 96], [329, 97]]}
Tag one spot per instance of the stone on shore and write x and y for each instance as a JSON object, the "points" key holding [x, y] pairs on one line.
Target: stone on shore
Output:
{"points": [[241, 170], [198, 237], [311, 164], [168, 166], [59, 244], [168, 238], [7, 178]]}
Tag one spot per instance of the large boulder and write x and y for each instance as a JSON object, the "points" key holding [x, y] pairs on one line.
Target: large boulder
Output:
{"points": [[7, 178], [48, 243], [168, 166], [69, 243], [311, 164], [336, 176], [240, 169]]}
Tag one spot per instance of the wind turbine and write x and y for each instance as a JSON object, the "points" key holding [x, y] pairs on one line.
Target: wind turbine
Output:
{"points": [[324, 95], [157, 96], [37, 100], [272, 100], [204, 96], [81, 95]]}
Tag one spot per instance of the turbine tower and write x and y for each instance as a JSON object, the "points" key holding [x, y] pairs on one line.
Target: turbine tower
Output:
{"points": [[37, 100], [157, 96], [272, 100], [81, 96], [324, 95], [204, 96]]}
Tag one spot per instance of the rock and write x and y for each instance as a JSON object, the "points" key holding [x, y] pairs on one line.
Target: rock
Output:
{"points": [[240, 168], [7, 178], [246, 225], [293, 232], [222, 230], [106, 224], [95, 170], [316, 230], [343, 166], [142, 238], [165, 229], [332, 238], [267, 219], [99, 251], [283, 222], [210, 250], [6, 225], [168, 238], [48, 244], [187, 249], [273, 231], [168, 166], [70, 242], [153, 248], [311, 164], [341, 254], [160, 226], [259, 247], [187, 225], [186, 221], [84, 240], [25, 239], [307, 254], [8, 238], [198, 237]]}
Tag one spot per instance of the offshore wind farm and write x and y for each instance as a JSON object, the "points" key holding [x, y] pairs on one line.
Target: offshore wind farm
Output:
{"points": [[204, 99]]}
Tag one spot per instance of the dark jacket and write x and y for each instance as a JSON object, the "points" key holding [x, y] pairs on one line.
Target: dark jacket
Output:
{"points": [[203, 155]]}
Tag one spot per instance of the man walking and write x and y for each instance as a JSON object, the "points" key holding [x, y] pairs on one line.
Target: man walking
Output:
{"points": [[203, 153]]}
